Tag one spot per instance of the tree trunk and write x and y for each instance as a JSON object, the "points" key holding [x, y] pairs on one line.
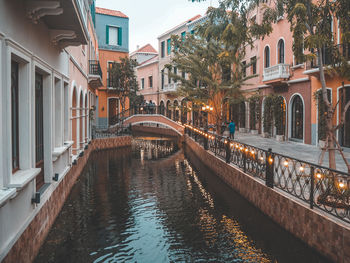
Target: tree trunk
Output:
{"points": [[329, 119]]}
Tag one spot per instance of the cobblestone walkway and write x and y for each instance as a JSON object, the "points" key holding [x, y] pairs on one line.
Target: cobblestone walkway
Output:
{"points": [[297, 150]]}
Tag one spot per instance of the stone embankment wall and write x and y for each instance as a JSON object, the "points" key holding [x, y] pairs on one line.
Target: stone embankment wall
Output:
{"points": [[29, 243], [329, 236]]}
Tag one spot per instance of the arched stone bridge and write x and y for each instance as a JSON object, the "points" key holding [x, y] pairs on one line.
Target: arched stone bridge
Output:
{"points": [[157, 119]]}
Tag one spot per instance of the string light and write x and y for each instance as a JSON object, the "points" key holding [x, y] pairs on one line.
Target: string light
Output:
{"points": [[341, 185], [285, 163], [318, 175], [301, 168]]}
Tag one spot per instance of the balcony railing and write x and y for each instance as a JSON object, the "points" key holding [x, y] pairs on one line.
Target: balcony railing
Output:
{"points": [[279, 71], [95, 68], [170, 87], [328, 56]]}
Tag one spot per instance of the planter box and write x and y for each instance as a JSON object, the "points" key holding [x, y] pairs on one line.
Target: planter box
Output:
{"points": [[255, 132], [265, 135], [242, 130], [280, 138]]}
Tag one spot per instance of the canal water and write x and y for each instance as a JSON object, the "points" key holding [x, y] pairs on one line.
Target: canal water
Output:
{"points": [[148, 203]]}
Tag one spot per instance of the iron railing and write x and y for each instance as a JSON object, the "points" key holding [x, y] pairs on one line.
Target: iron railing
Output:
{"points": [[95, 68], [319, 186]]}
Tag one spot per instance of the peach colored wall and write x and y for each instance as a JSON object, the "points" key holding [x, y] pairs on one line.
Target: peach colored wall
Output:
{"points": [[145, 72], [106, 56]]}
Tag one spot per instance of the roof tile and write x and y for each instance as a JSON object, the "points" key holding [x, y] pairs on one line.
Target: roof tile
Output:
{"points": [[109, 12]]}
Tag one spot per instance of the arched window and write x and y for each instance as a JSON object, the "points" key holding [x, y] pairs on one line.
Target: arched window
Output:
{"points": [[162, 108], [168, 109], [281, 51], [297, 118], [267, 57]]}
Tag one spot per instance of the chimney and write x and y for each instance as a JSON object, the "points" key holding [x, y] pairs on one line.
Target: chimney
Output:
{"points": [[137, 47]]}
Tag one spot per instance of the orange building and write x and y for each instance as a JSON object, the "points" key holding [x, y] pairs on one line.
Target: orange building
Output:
{"points": [[112, 28]]}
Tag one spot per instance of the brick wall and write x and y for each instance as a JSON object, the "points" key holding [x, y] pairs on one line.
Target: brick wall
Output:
{"points": [[29, 243], [327, 235]]}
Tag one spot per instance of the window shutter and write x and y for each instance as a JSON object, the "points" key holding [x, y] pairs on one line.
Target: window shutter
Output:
{"points": [[107, 35], [119, 36]]}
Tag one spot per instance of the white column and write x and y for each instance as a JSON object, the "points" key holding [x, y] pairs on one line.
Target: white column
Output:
{"points": [[2, 85]]}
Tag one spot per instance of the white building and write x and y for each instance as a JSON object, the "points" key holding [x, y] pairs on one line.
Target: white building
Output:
{"points": [[35, 102]]}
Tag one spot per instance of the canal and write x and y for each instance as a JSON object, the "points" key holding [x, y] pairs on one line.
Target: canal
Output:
{"points": [[149, 203]]}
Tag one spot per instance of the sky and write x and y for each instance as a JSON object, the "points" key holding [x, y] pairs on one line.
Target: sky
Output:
{"points": [[148, 19]]}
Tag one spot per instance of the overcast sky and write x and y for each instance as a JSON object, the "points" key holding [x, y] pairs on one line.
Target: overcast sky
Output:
{"points": [[150, 18]]}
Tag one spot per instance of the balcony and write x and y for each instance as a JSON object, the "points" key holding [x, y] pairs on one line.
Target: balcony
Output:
{"points": [[328, 58], [276, 73], [170, 87], [64, 19], [95, 74], [113, 86]]}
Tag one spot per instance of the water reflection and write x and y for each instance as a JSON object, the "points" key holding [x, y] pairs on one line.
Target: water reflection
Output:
{"points": [[148, 204]]}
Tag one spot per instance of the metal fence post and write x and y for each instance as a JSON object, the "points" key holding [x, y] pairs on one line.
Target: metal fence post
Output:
{"points": [[205, 139], [244, 160], [228, 151], [269, 168], [312, 186]]}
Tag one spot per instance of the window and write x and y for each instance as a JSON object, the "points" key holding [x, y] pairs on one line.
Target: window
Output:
{"points": [[226, 72], [162, 49], [39, 129], [175, 72], [281, 51], [14, 116], [150, 81], [183, 36], [244, 68], [253, 62], [112, 82], [142, 83], [183, 74], [168, 45], [192, 32], [114, 36], [267, 57], [169, 78], [162, 80]]}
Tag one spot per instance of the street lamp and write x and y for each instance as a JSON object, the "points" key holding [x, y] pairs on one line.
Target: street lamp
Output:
{"points": [[206, 109]]}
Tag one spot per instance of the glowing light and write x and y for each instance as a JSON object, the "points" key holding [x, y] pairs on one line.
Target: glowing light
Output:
{"points": [[301, 169], [225, 141], [241, 148], [211, 108], [319, 176], [285, 163], [246, 149], [207, 107], [203, 108], [231, 144], [237, 145], [341, 185], [270, 160], [262, 158], [253, 152]]}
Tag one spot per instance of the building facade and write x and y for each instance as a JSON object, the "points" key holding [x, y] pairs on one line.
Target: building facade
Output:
{"points": [[45, 48], [112, 28]]}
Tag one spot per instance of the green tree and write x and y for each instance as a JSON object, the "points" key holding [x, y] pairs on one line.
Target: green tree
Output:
{"points": [[124, 81], [212, 58], [311, 26]]}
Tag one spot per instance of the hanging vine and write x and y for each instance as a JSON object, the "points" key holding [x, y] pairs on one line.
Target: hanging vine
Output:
{"points": [[279, 110], [268, 114]]}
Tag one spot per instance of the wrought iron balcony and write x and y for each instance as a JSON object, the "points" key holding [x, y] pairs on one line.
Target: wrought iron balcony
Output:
{"points": [[95, 74], [277, 72]]}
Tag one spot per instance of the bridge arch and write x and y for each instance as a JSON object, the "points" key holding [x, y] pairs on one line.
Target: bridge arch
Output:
{"points": [[155, 119]]}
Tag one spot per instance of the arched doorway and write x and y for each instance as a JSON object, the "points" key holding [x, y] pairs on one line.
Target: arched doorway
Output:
{"points": [[86, 111], [168, 109], [184, 111], [162, 108], [297, 120], [81, 121], [242, 113], [74, 121], [176, 114], [344, 133]]}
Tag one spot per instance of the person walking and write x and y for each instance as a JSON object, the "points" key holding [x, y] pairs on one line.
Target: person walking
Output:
{"points": [[232, 128]]}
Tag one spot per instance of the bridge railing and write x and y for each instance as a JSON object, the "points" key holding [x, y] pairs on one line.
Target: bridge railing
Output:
{"points": [[119, 130], [319, 186], [147, 109]]}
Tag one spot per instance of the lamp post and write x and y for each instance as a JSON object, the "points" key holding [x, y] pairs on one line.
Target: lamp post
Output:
{"points": [[207, 109]]}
